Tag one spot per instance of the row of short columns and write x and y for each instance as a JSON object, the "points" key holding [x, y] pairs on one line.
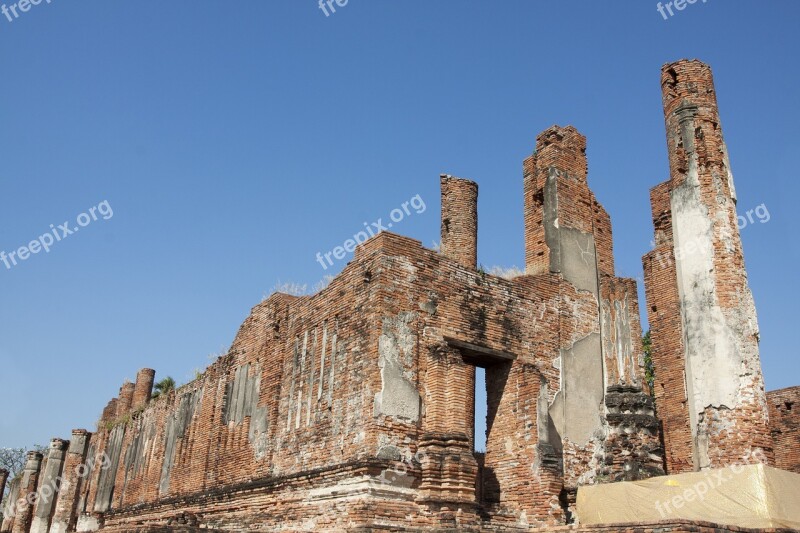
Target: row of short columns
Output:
{"points": [[47, 496], [47, 493]]}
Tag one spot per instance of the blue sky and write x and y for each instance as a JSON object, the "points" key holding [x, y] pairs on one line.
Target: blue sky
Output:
{"points": [[233, 141]]}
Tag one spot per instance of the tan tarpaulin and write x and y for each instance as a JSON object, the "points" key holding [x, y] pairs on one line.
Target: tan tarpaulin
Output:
{"points": [[753, 496]]}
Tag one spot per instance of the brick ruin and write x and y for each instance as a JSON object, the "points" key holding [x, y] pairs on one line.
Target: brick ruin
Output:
{"points": [[784, 419], [353, 409], [710, 390]]}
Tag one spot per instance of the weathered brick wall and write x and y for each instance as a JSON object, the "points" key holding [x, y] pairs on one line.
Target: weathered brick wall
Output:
{"points": [[331, 386], [603, 238], [568, 233], [319, 398], [784, 420], [295, 379], [666, 333], [559, 224], [724, 392]]}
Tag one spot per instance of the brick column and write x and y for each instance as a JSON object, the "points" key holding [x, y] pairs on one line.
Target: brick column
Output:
{"points": [[125, 398], [143, 389], [460, 220], [449, 467], [49, 485], [558, 203], [697, 288], [110, 411], [27, 493], [65, 516]]}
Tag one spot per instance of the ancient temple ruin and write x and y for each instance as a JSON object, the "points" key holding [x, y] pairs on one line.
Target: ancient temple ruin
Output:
{"points": [[353, 409]]}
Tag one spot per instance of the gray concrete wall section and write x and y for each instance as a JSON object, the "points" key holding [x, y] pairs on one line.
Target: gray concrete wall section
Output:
{"points": [[88, 523], [78, 446], [618, 342], [398, 397], [177, 424], [711, 355], [572, 252], [135, 454], [720, 346], [242, 396], [105, 484], [83, 504], [577, 407], [49, 484]]}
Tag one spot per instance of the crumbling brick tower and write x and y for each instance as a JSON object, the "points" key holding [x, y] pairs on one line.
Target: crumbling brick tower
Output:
{"points": [[709, 386], [598, 391]]}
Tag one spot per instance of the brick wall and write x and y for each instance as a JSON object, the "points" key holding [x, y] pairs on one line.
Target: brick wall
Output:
{"points": [[367, 389], [784, 420]]}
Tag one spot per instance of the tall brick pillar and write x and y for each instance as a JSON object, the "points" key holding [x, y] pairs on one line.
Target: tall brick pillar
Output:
{"points": [[27, 493], [709, 385], [125, 398], [560, 239], [557, 201], [450, 471], [449, 467], [460, 220], [65, 516], [143, 389], [49, 486]]}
